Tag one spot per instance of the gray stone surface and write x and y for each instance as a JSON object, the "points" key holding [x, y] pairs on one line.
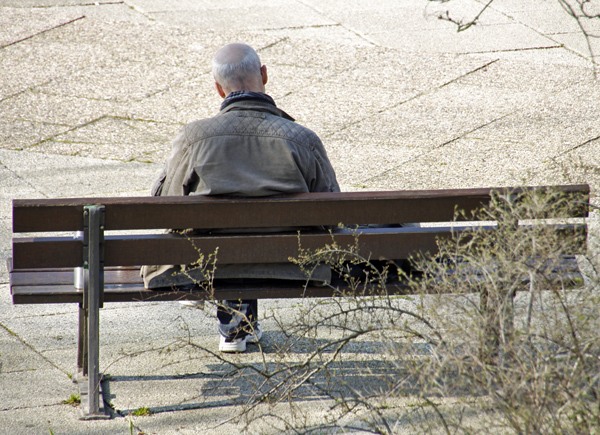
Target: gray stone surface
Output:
{"points": [[92, 93]]}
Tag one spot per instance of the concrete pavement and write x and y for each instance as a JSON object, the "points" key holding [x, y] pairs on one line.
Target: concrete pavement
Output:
{"points": [[92, 93]]}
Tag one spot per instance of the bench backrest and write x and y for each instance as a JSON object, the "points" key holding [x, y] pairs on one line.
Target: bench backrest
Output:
{"points": [[301, 210]]}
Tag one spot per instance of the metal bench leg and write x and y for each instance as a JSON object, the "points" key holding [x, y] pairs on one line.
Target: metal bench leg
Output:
{"points": [[91, 401], [82, 349]]}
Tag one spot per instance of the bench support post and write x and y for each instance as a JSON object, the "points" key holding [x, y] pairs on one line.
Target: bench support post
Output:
{"points": [[82, 353], [93, 295]]}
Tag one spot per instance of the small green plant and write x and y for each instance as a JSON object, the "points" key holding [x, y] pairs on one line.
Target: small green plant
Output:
{"points": [[142, 411], [74, 400]]}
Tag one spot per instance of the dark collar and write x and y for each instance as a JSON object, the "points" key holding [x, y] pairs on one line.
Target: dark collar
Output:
{"points": [[246, 102], [246, 95]]}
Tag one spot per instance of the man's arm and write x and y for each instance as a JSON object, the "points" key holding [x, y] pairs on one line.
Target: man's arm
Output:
{"points": [[324, 177], [173, 175]]}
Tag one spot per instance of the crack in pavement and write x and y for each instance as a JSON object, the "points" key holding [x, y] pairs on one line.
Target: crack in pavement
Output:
{"points": [[43, 31], [414, 97], [315, 26], [587, 142], [48, 405], [437, 147], [100, 3], [363, 37], [512, 50], [84, 124], [24, 181], [33, 349]]}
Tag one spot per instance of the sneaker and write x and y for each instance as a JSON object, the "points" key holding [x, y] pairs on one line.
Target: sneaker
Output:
{"points": [[232, 345], [256, 334]]}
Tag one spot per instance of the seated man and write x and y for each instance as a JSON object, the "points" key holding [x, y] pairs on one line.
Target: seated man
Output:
{"points": [[251, 148]]}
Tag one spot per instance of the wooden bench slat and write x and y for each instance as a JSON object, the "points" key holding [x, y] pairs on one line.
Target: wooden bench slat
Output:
{"points": [[57, 294], [240, 249], [289, 211], [125, 285], [55, 252]]}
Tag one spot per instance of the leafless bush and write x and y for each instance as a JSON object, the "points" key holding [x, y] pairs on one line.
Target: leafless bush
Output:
{"points": [[493, 339]]}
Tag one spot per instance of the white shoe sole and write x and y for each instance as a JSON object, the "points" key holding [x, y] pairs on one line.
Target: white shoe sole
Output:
{"points": [[235, 346]]}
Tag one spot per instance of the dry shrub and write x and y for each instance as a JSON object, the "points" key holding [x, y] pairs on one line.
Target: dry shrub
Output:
{"points": [[500, 334]]}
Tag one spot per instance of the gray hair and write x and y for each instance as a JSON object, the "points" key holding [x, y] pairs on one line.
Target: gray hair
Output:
{"points": [[235, 64]]}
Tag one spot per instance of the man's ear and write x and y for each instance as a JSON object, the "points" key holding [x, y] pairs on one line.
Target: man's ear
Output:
{"points": [[220, 90], [263, 73]]}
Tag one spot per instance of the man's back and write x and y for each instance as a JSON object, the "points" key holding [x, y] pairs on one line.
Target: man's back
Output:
{"points": [[251, 148]]}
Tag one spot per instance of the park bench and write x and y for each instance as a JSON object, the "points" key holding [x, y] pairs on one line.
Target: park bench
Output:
{"points": [[42, 268]]}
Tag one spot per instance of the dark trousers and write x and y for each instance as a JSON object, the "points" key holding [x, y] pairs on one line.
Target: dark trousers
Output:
{"points": [[237, 318]]}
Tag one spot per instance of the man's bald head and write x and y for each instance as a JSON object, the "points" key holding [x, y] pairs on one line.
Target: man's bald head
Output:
{"points": [[237, 67]]}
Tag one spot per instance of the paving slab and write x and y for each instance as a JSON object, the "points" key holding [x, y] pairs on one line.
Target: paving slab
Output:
{"points": [[564, 120], [80, 176], [481, 40], [19, 134], [413, 16], [246, 18], [333, 34], [114, 138], [22, 365], [435, 119], [104, 41], [41, 108], [59, 420], [19, 24], [588, 48], [543, 73], [125, 82], [186, 102]]}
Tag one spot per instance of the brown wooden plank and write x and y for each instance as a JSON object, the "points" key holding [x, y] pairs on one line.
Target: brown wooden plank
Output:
{"points": [[310, 209], [137, 293], [394, 243], [47, 294], [232, 249], [36, 252]]}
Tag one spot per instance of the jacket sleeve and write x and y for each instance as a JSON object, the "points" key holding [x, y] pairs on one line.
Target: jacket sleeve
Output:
{"points": [[157, 187], [174, 175], [324, 176]]}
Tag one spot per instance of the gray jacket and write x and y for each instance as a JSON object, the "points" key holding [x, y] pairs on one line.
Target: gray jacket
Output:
{"points": [[251, 148]]}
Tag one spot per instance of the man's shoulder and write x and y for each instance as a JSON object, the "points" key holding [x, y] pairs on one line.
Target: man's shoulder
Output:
{"points": [[251, 122], [206, 126], [291, 128]]}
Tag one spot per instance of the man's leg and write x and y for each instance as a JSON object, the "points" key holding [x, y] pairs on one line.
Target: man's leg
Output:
{"points": [[237, 320]]}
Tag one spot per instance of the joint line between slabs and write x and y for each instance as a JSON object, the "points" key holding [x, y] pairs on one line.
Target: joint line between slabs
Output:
{"points": [[421, 94], [43, 31], [463, 135]]}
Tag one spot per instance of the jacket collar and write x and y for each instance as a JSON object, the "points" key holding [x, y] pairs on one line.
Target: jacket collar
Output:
{"points": [[256, 104], [246, 95]]}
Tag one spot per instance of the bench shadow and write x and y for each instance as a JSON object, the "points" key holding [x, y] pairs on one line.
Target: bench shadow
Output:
{"points": [[367, 375]]}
